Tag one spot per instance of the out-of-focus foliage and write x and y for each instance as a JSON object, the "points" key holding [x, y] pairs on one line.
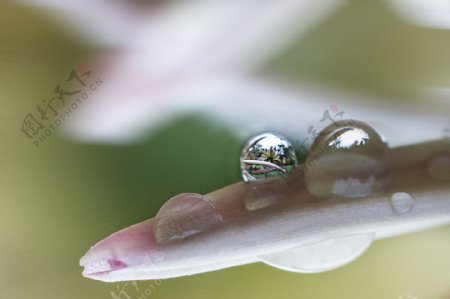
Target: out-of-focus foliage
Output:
{"points": [[365, 45]]}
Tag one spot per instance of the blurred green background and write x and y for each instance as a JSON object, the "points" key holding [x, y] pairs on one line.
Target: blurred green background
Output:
{"points": [[59, 200]]}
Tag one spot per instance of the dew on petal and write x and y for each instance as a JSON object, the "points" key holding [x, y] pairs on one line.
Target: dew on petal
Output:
{"points": [[320, 257], [266, 156], [184, 215], [348, 159], [402, 203]]}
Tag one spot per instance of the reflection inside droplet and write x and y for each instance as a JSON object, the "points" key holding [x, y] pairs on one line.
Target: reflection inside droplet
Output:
{"points": [[347, 159], [402, 203], [267, 155], [349, 138], [184, 215]]}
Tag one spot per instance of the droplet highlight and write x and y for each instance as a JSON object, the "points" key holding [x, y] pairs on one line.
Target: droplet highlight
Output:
{"points": [[402, 203], [266, 156], [439, 167], [348, 159], [183, 216]]}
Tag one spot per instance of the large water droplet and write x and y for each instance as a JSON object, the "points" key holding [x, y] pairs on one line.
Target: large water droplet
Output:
{"points": [[402, 203], [267, 155], [347, 159], [322, 256], [184, 215], [439, 167]]}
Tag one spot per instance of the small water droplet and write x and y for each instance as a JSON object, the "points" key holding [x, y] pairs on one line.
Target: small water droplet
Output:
{"points": [[184, 215], [439, 167], [266, 156], [349, 159], [402, 203]]}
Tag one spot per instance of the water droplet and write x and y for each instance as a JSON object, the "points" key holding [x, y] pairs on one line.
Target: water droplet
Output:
{"points": [[320, 257], [402, 203], [439, 167], [267, 155], [184, 215], [349, 159]]}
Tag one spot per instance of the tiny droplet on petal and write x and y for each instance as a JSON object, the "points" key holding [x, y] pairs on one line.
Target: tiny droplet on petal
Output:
{"points": [[402, 203]]}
